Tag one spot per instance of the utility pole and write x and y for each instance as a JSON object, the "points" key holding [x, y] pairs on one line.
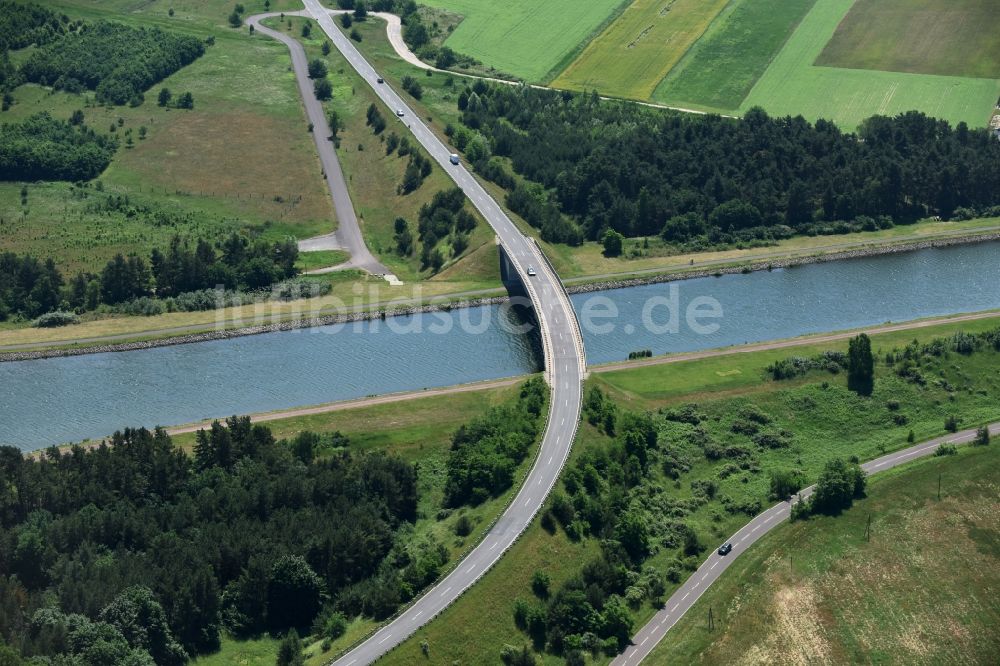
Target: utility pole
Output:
{"points": [[939, 486], [868, 528], [711, 620]]}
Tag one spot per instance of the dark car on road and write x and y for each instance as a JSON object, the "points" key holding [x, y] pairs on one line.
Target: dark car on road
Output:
{"points": [[725, 548]]}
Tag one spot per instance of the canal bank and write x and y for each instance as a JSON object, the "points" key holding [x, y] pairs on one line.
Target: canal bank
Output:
{"points": [[577, 286]]}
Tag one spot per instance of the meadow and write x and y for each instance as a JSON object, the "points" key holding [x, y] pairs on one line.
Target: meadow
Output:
{"points": [[946, 37], [825, 419], [525, 38], [793, 85], [241, 159], [637, 50], [721, 67], [920, 591]]}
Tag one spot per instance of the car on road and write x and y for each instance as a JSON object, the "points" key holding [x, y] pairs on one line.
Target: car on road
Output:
{"points": [[725, 548], [531, 270], [399, 112], [454, 158], [380, 80]]}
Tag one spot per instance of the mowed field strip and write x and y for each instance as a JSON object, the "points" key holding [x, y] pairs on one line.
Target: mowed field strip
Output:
{"points": [[631, 57], [525, 38], [718, 72], [947, 37], [793, 85]]}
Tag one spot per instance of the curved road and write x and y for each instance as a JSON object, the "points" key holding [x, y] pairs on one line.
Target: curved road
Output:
{"points": [[348, 235], [681, 601], [564, 362]]}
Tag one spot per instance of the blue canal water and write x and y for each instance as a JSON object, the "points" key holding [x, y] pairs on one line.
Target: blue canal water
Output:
{"points": [[62, 399]]}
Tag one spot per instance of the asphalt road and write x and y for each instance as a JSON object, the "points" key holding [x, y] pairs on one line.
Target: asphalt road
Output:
{"points": [[564, 362], [681, 601], [348, 235]]}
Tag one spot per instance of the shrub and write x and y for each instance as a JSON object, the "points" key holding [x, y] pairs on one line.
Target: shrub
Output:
{"points": [[56, 319], [951, 423], [946, 450], [982, 436]]}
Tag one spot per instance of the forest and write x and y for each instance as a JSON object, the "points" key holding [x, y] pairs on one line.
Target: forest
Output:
{"points": [[137, 552], [135, 547], [31, 288], [116, 61], [43, 148], [23, 24], [594, 165]]}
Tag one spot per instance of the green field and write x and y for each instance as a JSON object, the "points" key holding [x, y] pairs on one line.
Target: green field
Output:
{"points": [[793, 85], [921, 591], [825, 418], [636, 51], [525, 38], [221, 165], [723, 65], [946, 37]]}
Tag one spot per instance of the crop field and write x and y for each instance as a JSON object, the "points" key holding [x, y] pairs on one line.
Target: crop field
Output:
{"points": [[631, 57], [720, 69], [947, 37], [525, 38], [920, 591], [792, 85]]}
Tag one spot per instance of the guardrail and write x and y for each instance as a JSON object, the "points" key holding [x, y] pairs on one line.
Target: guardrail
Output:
{"points": [[577, 333]]}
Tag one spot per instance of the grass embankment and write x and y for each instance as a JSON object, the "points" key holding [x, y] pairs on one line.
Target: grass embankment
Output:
{"points": [[720, 68], [795, 85], [373, 176], [217, 168], [920, 591], [825, 421], [418, 431], [524, 37], [637, 50], [947, 37]]}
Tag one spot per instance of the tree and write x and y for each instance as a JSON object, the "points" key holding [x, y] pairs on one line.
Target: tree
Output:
{"points": [[612, 242], [323, 89], [185, 101], [163, 99], [290, 650], [140, 618], [317, 69], [860, 365], [306, 30], [617, 620], [346, 21], [326, 48], [235, 20], [293, 593], [360, 11], [839, 484]]}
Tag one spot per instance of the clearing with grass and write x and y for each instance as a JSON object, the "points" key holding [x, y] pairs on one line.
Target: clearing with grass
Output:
{"points": [[525, 38], [637, 50], [920, 591], [946, 37]]}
